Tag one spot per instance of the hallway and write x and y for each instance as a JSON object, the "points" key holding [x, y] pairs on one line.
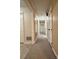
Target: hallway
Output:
{"points": [[40, 50], [38, 29]]}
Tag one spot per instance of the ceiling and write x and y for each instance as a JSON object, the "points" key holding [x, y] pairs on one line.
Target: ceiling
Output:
{"points": [[40, 6], [24, 6]]}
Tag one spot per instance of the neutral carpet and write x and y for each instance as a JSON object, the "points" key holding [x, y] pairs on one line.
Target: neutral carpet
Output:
{"points": [[24, 49], [41, 50]]}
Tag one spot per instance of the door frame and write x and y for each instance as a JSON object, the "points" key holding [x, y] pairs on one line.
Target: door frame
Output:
{"points": [[22, 13]]}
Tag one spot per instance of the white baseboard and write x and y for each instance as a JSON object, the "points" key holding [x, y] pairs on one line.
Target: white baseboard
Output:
{"points": [[55, 52]]}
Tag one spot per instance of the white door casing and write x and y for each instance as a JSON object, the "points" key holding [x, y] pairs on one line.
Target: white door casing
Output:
{"points": [[21, 28]]}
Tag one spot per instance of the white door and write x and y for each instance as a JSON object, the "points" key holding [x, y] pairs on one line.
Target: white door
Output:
{"points": [[42, 27], [49, 30], [21, 28]]}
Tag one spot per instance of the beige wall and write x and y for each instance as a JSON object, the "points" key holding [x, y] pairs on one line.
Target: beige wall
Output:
{"points": [[55, 28], [27, 24]]}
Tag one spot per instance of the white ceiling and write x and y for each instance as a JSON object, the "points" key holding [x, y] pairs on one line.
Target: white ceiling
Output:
{"points": [[24, 6], [40, 6]]}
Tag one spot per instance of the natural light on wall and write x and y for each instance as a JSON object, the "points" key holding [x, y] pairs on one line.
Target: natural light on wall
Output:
{"points": [[42, 18]]}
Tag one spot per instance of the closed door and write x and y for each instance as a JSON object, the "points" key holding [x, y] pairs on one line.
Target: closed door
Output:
{"points": [[49, 30], [21, 28], [42, 27]]}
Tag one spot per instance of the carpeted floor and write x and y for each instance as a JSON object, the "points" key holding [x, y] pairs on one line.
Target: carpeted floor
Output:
{"points": [[41, 50], [24, 49]]}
